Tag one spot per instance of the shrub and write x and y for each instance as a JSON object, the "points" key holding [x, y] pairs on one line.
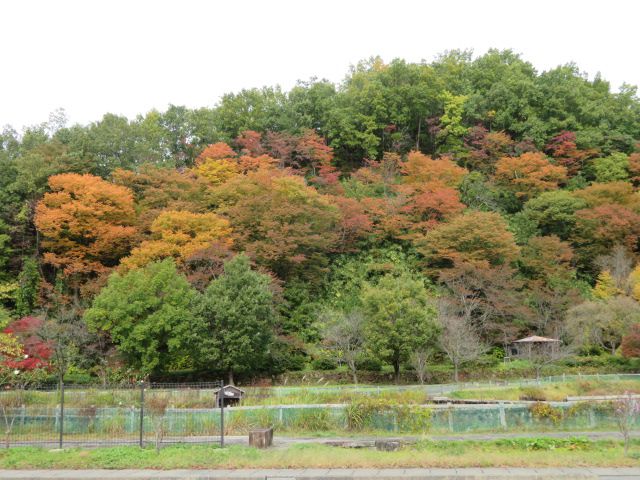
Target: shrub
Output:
{"points": [[533, 393], [631, 342], [545, 443], [324, 363], [313, 420], [369, 364], [368, 413], [541, 410]]}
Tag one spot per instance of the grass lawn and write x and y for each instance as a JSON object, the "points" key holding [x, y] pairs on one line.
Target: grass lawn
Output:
{"points": [[523, 452], [552, 391]]}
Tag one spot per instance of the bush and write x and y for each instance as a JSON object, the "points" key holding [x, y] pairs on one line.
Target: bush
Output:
{"points": [[286, 357], [324, 363], [533, 394], [369, 364], [541, 411], [497, 353], [544, 443], [374, 413]]}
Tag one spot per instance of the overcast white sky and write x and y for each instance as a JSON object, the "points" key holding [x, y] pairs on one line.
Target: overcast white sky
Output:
{"points": [[127, 57]]}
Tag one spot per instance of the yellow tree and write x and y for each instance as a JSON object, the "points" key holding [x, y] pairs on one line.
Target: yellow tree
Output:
{"points": [[634, 283], [180, 235], [605, 286], [218, 163]]}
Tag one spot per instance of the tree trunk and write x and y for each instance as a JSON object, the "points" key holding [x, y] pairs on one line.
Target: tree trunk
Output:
{"points": [[396, 370], [455, 372], [626, 444], [354, 375], [230, 375]]}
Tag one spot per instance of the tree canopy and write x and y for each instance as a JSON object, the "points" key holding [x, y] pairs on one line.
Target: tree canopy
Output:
{"points": [[507, 196]]}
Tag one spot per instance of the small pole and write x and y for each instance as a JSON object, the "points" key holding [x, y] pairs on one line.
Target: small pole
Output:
{"points": [[221, 402], [61, 413], [142, 414]]}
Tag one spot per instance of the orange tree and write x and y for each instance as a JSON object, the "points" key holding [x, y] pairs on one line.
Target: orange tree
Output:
{"points": [[282, 223], [86, 225], [529, 174], [472, 237]]}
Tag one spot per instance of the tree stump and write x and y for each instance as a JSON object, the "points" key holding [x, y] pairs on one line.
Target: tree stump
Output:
{"points": [[261, 438]]}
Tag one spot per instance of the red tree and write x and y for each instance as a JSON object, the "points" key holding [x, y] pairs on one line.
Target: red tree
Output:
{"points": [[563, 148], [36, 352], [631, 342], [250, 143]]}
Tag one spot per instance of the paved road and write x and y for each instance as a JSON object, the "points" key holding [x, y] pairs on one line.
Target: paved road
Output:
{"points": [[335, 474]]}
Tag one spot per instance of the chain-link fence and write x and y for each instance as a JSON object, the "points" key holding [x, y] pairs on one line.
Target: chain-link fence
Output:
{"points": [[142, 413], [425, 419]]}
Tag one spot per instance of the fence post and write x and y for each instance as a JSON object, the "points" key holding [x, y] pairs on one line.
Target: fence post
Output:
{"points": [[142, 414], [61, 439], [503, 416], [221, 402]]}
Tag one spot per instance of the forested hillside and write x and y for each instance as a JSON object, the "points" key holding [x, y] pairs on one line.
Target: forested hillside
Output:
{"points": [[413, 214]]}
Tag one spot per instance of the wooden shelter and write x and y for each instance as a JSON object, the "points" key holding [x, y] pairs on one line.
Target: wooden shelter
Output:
{"points": [[528, 347], [228, 395]]}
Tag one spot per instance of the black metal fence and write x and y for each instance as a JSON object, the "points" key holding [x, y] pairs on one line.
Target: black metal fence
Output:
{"points": [[141, 413]]}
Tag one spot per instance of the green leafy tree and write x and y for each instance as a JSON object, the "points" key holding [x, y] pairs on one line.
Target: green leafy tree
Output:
{"points": [[554, 213], [613, 168], [236, 315], [28, 285], [148, 313], [453, 130], [5, 247], [400, 317]]}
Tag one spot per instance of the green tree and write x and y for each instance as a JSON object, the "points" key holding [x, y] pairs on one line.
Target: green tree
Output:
{"points": [[613, 168], [28, 284], [453, 130], [400, 317], [148, 313], [5, 247], [554, 213], [236, 315]]}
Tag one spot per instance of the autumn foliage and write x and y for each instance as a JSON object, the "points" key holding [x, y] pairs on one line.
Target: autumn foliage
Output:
{"points": [[279, 220], [631, 343], [180, 235], [86, 223], [35, 352], [456, 182], [470, 238], [529, 174]]}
